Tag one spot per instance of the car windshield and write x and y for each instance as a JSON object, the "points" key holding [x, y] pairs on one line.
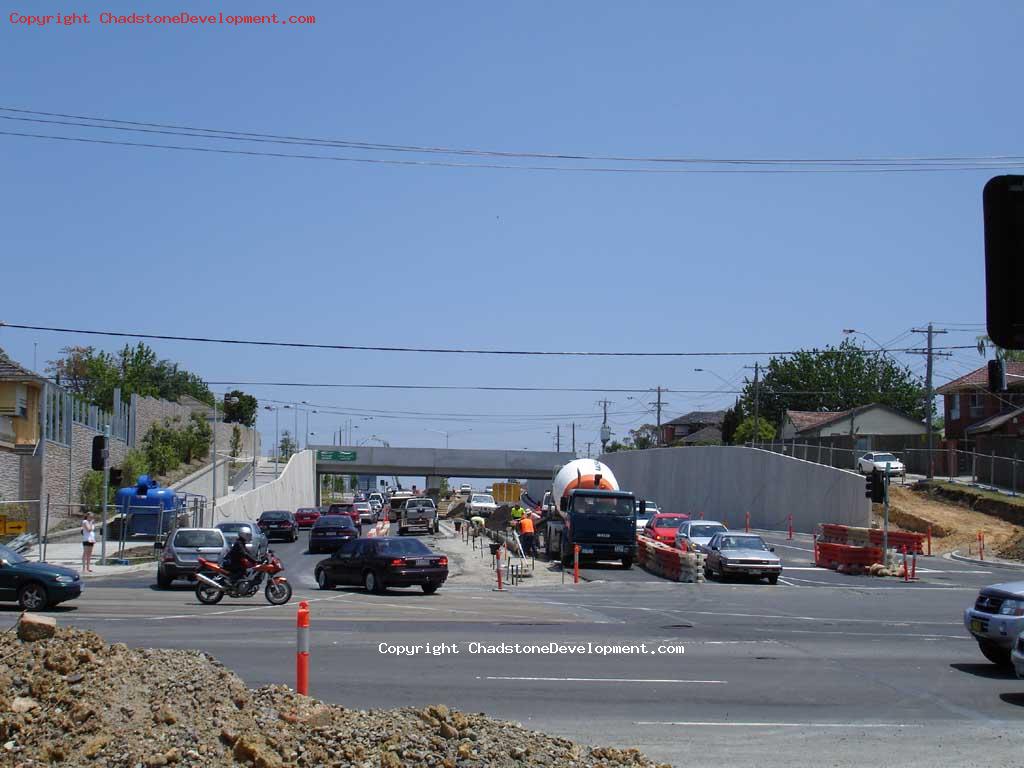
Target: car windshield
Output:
{"points": [[340, 509], [643, 518], [884, 457], [402, 547], [12, 557], [274, 516], [704, 530], [742, 542], [668, 522], [198, 539], [482, 498], [305, 510], [334, 521], [592, 505]]}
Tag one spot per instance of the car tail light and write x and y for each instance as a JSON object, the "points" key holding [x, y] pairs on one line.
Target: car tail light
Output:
{"points": [[442, 561], [168, 557], [397, 562]]}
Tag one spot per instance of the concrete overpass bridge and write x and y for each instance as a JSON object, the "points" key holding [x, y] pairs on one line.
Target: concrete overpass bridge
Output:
{"points": [[435, 463]]}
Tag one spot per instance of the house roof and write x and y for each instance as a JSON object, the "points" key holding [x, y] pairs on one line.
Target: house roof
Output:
{"points": [[993, 423], [804, 420], [709, 434], [11, 371], [978, 379], [812, 420], [710, 418]]}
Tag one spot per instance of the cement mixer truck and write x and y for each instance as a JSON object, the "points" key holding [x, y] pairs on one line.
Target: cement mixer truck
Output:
{"points": [[590, 512]]}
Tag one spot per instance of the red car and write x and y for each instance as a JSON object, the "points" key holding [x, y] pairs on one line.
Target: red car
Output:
{"points": [[345, 509], [306, 516], [664, 526]]}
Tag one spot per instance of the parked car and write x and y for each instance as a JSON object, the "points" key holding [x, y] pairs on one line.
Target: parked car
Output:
{"points": [[181, 552], [418, 515], [996, 619], [260, 544], [348, 509], [306, 516], [279, 524], [695, 534], [663, 527], [741, 554], [330, 532], [366, 512], [383, 562], [869, 462], [481, 504], [35, 586]]}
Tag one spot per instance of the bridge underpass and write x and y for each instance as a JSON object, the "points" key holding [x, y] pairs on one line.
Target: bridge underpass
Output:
{"points": [[437, 462]]}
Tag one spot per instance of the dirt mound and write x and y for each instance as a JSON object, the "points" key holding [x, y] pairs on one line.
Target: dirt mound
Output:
{"points": [[73, 700]]}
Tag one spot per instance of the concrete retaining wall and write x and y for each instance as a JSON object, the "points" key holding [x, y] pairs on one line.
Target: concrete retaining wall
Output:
{"points": [[295, 487], [200, 482], [726, 482]]}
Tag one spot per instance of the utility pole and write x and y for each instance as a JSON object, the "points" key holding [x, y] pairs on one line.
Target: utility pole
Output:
{"points": [[558, 438], [589, 443], [930, 392], [757, 402], [657, 404], [574, 438], [606, 432]]}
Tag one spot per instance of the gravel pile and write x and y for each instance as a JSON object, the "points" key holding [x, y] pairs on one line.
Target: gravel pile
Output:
{"points": [[73, 700]]}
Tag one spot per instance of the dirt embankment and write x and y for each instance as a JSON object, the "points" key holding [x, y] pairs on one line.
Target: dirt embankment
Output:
{"points": [[73, 700], [955, 524]]}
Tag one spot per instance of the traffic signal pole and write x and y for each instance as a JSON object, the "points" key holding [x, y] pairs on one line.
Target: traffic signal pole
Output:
{"points": [[885, 519]]}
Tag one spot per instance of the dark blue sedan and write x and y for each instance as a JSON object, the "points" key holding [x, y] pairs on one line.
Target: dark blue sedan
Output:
{"points": [[35, 586], [330, 532]]}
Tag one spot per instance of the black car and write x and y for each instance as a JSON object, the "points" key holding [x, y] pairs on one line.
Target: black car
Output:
{"points": [[35, 585], [279, 524], [379, 563], [330, 532]]}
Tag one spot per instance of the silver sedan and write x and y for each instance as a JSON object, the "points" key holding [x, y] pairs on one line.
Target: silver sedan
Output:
{"points": [[741, 554]]}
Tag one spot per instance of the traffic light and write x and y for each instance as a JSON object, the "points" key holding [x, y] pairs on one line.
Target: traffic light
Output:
{"points": [[116, 476], [996, 376], [874, 487], [99, 453], [1003, 201]]}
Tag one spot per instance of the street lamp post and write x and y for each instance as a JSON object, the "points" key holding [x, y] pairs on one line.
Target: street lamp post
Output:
{"points": [[277, 443]]}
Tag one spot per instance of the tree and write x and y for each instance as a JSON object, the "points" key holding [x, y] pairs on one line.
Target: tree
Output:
{"points": [[236, 441], [615, 445], [287, 446], [241, 412], [1009, 355], [353, 483], [745, 429], [90, 493], [643, 437], [133, 465], [732, 418], [833, 379]]}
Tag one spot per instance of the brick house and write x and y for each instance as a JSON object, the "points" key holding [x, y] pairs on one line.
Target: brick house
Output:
{"points": [[694, 427], [971, 410]]}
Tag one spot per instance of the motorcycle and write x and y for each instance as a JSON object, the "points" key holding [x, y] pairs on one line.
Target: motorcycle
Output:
{"points": [[210, 589]]}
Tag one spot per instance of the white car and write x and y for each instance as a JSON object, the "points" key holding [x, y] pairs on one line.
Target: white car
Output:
{"points": [[481, 504], [697, 533], [465, 488], [869, 462]]}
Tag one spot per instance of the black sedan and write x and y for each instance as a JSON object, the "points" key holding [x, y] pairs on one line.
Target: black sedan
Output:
{"points": [[379, 563], [330, 532], [279, 524], [35, 585]]}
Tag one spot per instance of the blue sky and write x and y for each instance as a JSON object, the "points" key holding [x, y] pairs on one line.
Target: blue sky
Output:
{"points": [[201, 244]]}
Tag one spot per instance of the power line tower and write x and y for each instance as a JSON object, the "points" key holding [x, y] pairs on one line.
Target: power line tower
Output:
{"points": [[930, 392]]}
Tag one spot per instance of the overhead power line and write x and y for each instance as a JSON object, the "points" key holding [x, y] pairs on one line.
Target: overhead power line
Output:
{"points": [[829, 164], [430, 350]]}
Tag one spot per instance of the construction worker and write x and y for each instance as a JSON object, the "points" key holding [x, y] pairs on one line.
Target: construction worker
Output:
{"points": [[517, 511], [526, 532]]}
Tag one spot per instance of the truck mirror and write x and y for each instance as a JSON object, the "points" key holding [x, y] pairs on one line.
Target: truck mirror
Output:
{"points": [[563, 504]]}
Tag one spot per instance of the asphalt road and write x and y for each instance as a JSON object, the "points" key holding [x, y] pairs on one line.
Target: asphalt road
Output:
{"points": [[837, 669]]}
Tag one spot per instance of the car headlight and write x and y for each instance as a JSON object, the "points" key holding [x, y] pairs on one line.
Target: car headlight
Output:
{"points": [[1012, 608], [65, 579]]}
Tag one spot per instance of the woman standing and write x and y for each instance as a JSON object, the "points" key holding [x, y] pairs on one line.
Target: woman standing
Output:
{"points": [[88, 539]]}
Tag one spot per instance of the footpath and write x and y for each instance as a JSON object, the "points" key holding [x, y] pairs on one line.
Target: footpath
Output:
{"points": [[69, 553], [471, 562]]}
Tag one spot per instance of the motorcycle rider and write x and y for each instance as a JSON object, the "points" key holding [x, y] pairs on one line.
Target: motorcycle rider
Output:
{"points": [[239, 558]]}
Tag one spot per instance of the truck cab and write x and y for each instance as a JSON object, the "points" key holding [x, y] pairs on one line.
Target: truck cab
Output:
{"points": [[601, 522]]}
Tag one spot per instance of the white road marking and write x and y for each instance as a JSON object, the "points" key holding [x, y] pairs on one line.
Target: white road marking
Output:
{"points": [[780, 725], [604, 680]]}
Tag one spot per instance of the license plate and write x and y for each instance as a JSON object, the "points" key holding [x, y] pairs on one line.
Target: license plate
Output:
{"points": [[586, 550], [620, 548], [423, 561], [977, 625], [754, 571]]}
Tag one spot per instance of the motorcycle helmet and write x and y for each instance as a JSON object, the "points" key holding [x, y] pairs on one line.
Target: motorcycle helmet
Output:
{"points": [[245, 535]]}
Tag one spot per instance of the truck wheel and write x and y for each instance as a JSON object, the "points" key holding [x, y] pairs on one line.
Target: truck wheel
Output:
{"points": [[627, 563], [994, 653]]}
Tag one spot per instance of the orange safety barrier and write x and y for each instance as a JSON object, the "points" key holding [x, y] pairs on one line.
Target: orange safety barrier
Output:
{"points": [[830, 555]]}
